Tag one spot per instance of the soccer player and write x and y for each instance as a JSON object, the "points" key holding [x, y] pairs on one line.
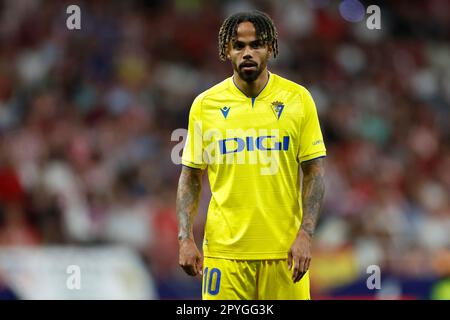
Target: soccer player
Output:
{"points": [[252, 132]]}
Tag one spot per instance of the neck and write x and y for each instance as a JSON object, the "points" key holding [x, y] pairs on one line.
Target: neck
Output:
{"points": [[252, 89]]}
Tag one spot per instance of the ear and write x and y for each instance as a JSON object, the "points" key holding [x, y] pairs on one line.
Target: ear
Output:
{"points": [[269, 50], [228, 51]]}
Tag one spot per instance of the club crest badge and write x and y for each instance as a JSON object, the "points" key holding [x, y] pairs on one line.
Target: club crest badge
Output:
{"points": [[277, 108]]}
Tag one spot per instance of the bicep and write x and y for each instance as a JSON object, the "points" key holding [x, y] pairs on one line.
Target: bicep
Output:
{"points": [[193, 149], [191, 175], [311, 144], [313, 167]]}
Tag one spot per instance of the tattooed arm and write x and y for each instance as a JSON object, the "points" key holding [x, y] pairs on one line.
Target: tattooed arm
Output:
{"points": [[188, 196], [312, 193], [313, 190]]}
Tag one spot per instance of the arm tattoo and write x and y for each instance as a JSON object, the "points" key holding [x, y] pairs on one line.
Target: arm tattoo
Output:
{"points": [[313, 190], [188, 196]]}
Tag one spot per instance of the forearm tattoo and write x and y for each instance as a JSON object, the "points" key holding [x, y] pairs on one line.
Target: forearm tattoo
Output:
{"points": [[313, 191], [188, 196]]}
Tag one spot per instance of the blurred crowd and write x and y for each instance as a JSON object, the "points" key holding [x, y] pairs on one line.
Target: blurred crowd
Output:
{"points": [[86, 118]]}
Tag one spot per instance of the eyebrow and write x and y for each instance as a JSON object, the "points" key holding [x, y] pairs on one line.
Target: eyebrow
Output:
{"points": [[250, 42]]}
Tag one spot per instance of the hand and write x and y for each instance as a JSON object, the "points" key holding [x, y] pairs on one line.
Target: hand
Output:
{"points": [[190, 258], [300, 255]]}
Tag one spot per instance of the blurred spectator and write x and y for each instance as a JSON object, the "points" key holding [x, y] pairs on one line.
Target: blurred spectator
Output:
{"points": [[86, 118]]}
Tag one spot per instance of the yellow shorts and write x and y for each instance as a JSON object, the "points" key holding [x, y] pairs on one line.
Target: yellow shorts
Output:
{"points": [[225, 279]]}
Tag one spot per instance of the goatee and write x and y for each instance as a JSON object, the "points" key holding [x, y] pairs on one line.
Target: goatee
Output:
{"points": [[249, 76]]}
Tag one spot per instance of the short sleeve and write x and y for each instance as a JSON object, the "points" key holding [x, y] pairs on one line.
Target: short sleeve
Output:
{"points": [[193, 149], [311, 140]]}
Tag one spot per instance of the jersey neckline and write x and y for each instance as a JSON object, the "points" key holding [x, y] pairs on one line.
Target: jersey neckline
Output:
{"points": [[264, 91]]}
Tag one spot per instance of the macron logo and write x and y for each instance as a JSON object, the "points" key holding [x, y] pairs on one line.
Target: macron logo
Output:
{"points": [[225, 111]]}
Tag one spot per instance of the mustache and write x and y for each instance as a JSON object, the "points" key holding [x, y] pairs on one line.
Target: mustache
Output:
{"points": [[248, 63]]}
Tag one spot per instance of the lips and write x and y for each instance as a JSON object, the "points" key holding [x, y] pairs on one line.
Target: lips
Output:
{"points": [[248, 65]]}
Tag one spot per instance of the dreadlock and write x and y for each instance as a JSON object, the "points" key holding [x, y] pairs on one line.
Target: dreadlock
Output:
{"points": [[265, 30]]}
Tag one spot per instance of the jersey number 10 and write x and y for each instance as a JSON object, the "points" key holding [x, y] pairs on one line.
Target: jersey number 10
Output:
{"points": [[211, 281]]}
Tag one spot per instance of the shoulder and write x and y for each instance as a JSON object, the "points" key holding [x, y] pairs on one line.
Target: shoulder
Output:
{"points": [[211, 92], [282, 83], [199, 101], [295, 93]]}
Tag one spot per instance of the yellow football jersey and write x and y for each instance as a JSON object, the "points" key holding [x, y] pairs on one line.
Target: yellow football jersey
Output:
{"points": [[252, 149]]}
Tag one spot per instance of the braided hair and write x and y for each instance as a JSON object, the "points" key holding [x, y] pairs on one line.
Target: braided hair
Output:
{"points": [[264, 26]]}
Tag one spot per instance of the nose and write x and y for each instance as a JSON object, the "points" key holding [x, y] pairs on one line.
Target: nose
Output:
{"points": [[248, 53]]}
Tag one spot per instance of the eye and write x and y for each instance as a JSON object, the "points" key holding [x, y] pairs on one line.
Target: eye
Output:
{"points": [[256, 44], [238, 45]]}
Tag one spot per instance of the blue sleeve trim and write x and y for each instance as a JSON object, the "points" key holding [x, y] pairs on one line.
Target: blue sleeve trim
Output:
{"points": [[313, 159], [191, 167]]}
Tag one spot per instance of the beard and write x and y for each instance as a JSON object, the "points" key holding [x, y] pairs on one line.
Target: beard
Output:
{"points": [[249, 75]]}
